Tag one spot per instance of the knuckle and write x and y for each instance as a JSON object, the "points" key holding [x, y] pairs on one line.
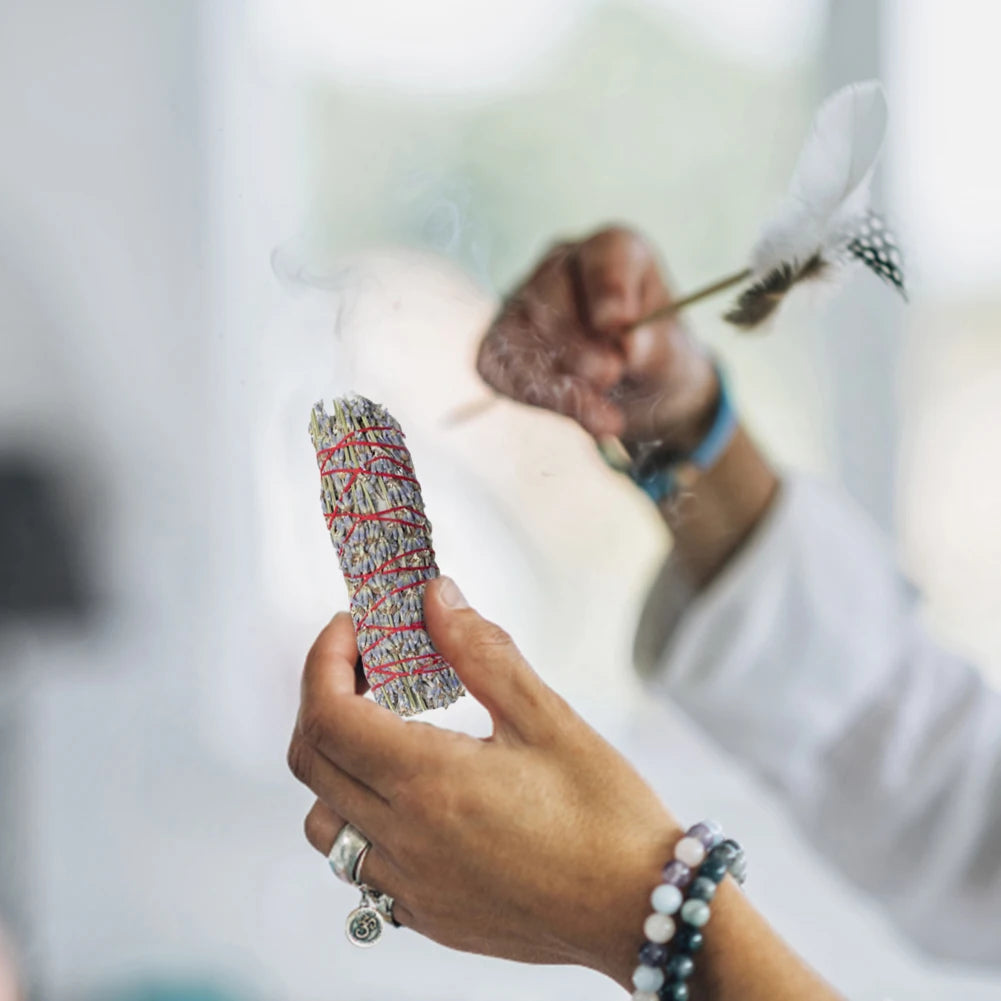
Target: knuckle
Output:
{"points": [[554, 258], [490, 357], [622, 238], [313, 724], [615, 252], [489, 639], [315, 829], [559, 248], [299, 759], [313, 657]]}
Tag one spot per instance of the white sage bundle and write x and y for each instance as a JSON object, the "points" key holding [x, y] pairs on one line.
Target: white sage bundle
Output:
{"points": [[375, 514]]}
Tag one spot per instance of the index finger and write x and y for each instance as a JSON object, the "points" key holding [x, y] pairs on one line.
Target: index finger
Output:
{"points": [[361, 737], [613, 269]]}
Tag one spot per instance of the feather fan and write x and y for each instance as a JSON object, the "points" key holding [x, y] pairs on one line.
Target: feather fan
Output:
{"points": [[824, 221]]}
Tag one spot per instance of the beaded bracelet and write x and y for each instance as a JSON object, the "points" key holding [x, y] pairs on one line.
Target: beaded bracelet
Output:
{"points": [[702, 858]]}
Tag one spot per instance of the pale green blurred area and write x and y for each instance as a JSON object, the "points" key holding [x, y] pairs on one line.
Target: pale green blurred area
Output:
{"points": [[629, 119]]}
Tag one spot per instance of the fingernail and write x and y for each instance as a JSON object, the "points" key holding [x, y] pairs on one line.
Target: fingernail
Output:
{"points": [[450, 595]]}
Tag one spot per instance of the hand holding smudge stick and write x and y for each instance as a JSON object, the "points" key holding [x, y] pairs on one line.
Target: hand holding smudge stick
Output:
{"points": [[375, 514]]}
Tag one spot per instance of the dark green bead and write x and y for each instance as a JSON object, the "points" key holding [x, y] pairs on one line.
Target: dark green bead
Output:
{"points": [[730, 850], [714, 869], [688, 940], [725, 851], [679, 967], [702, 888], [673, 992]]}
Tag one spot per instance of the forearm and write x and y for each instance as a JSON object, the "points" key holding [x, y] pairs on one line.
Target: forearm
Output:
{"points": [[712, 518], [745, 960]]}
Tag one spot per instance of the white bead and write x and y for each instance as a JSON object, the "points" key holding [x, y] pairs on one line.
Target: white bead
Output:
{"points": [[690, 852], [659, 928], [645, 996], [666, 899], [648, 978]]}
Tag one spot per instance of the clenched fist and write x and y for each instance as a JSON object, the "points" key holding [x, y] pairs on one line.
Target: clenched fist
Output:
{"points": [[567, 340]]}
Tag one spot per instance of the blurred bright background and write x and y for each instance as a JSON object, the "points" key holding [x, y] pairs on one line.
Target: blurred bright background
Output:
{"points": [[212, 214]]}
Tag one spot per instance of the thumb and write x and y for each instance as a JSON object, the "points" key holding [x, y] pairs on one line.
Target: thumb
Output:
{"points": [[486, 660]]}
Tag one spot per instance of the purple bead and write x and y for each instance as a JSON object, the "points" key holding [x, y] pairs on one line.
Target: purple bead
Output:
{"points": [[704, 834], [654, 954], [677, 874]]}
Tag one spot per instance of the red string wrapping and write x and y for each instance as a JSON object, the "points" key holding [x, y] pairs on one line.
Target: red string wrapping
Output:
{"points": [[375, 515]]}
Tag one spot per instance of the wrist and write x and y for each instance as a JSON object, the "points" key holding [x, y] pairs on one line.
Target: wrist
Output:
{"points": [[721, 510], [614, 941], [683, 437], [661, 469], [684, 410], [682, 904]]}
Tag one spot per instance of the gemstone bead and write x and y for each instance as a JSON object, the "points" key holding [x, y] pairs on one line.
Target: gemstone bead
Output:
{"points": [[648, 978], [727, 851], [666, 899], [714, 869], [654, 954], [688, 940], [695, 912], [659, 928], [679, 967], [702, 888], [677, 874], [690, 852], [704, 834], [674, 992], [738, 868], [645, 996]]}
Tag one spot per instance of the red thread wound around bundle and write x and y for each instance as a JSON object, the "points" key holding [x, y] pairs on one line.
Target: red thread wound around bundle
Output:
{"points": [[375, 514]]}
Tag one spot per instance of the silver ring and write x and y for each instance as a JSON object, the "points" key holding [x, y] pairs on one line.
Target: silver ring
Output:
{"points": [[348, 854]]}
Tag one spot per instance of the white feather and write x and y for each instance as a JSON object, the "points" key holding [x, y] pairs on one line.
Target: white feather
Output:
{"points": [[829, 191]]}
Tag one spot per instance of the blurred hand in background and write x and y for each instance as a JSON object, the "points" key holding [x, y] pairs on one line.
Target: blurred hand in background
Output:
{"points": [[566, 340]]}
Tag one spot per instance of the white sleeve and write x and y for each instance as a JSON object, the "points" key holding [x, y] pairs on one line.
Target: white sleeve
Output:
{"points": [[806, 660]]}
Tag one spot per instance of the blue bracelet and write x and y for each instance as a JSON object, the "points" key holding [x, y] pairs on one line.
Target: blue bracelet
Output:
{"points": [[702, 859], [660, 480]]}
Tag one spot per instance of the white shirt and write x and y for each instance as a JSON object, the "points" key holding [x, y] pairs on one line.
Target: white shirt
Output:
{"points": [[807, 660]]}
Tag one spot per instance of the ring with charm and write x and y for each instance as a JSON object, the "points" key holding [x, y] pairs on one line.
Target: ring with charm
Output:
{"points": [[366, 922]]}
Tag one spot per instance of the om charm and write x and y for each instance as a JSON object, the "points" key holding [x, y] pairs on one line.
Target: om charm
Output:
{"points": [[365, 923]]}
